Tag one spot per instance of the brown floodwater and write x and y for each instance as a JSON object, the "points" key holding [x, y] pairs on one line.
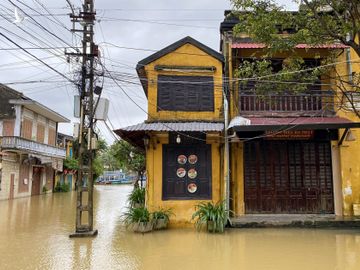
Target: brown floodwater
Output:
{"points": [[34, 234]]}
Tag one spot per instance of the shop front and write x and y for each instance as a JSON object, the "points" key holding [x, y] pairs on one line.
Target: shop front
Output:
{"points": [[288, 166]]}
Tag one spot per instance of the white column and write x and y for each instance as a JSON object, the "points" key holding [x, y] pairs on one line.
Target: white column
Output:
{"points": [[1, 128], [17, 120]]}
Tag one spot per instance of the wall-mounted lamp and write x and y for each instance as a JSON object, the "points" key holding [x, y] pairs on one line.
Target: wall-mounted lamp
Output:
{"points": [[146, 141], [178, 139]]}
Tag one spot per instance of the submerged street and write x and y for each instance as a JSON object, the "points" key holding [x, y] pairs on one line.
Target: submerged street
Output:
{"points": [[34, 234]]}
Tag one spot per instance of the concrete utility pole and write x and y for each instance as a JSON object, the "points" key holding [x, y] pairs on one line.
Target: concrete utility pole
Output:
{"points": [[87, 140]]}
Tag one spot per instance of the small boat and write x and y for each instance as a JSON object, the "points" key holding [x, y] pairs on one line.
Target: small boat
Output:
{"points": [[113, 177]]}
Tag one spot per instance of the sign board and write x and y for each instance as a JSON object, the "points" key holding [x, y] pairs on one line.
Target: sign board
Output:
{"points": [[289, 135]]}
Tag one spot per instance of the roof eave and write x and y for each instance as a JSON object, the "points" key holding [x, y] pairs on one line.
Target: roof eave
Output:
{"points": [[31, 104]]}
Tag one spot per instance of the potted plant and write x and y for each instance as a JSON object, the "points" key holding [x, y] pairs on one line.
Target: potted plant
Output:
{"points": [[161, 218], [137, 197], [138, 219], [211, 215]]}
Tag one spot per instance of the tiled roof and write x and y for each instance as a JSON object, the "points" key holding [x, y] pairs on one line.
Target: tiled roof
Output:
{"points": [[250, 45], [176, 126], [135, 134]]}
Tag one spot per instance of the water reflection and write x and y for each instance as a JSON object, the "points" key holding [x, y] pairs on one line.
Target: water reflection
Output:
{"points": [[34, 235]]}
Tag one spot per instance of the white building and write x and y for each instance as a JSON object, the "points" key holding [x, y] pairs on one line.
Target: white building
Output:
{"points": [[28, 152]]}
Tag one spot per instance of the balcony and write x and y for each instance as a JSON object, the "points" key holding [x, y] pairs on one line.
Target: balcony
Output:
{"points": [[21, 144], [310, 103]]}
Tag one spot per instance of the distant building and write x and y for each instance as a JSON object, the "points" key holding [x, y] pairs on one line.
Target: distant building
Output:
{"points": [[29, 156], [66, 176]]}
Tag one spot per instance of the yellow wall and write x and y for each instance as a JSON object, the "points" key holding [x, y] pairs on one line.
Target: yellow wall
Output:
{"points": [[186, 55], [350, 150], [237, 179], [183, 209]]}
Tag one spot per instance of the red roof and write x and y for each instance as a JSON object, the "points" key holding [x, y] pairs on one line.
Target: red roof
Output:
{"points": [[299, 46], [297, 120]]}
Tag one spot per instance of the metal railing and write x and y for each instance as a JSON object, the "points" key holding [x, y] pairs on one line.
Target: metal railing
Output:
{"points": [[19, 143], [309, 102]]}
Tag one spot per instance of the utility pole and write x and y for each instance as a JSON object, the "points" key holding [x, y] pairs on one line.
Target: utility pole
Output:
{"points": [[87, 141]]}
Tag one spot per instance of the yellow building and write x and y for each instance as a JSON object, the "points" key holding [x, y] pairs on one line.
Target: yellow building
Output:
{"points": [[291, 152], [66, 175], [286, 153], [182, 135]]}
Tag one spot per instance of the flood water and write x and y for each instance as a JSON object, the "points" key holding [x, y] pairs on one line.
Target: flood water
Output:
{"points": [[34, 234]]}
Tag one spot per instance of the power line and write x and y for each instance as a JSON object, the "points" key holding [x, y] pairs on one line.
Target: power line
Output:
{"points": [[34, 56], [37, 23], [34, 48]]}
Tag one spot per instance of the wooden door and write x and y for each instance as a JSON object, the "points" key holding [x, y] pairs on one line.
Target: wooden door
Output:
{"points": [[35, 188], [12, 186], [288, 177]]}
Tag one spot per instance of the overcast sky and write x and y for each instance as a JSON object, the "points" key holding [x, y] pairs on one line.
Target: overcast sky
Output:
{"points": [[134, 25]]}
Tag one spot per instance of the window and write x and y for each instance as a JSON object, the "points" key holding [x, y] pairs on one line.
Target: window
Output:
{"points": [[185, 93], [187, 172]]}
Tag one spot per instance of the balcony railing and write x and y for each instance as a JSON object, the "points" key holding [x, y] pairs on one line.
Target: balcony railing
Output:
{"points": [[308, 103], [22, 144]]}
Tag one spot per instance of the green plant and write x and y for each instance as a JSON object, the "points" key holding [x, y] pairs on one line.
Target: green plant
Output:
{"points": [[211, 215], [44, 189], [61, 187], [161, 218], [71, 163], [137, 197], [136, 215]]}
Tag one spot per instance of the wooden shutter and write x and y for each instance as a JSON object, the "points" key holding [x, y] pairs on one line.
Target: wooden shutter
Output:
{"points": [[40, 136], [176, 188], [8, 127], [51, 137], [26, 129], [185, 93]]}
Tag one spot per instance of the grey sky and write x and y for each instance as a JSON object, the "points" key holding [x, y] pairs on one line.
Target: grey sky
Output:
{"points": [[141, 24]]}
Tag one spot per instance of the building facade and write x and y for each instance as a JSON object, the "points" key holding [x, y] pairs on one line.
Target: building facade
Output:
{"points": [[276, 153], [182, 135], [292, 153], [29, 155]]}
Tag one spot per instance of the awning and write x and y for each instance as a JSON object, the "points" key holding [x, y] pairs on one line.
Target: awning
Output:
{"points": [[298, 123], [135, 134], [252, 45]]}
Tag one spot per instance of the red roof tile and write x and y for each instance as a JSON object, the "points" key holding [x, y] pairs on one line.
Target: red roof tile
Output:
{"points": [[299, 46]]}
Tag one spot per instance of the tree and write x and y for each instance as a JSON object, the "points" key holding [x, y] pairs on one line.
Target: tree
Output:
{"points": [[97, 166], [131, 158], [316, 23]]}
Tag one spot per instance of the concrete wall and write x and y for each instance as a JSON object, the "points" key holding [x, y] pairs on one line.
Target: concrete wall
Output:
{"points": [[10, 165]]}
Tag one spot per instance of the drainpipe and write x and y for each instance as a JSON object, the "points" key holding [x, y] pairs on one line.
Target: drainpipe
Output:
{"points": [[348, 61], [226, 158], [226, 124]]}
